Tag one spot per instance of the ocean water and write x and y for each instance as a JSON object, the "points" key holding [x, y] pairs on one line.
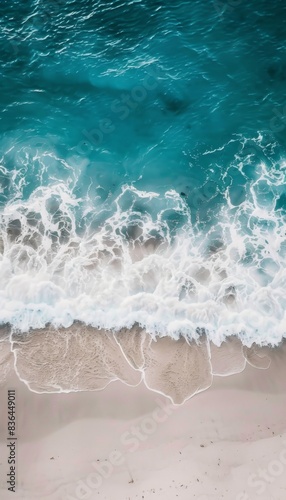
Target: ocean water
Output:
{"points": [[143, 166]]}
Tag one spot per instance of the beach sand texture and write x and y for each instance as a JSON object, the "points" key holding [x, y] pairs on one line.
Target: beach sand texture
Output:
{"points": [[130, 441]]}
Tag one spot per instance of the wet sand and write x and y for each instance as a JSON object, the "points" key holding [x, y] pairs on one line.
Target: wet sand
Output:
{"points": [[131, 441]]}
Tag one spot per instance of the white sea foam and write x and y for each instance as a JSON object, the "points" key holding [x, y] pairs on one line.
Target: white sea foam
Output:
{"points": [[126, 266]]}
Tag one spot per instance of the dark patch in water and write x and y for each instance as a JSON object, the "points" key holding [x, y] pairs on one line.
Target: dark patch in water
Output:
{"points": [[216, 246], [277, 71], [14, 229], [281, 202], [173, 104]]}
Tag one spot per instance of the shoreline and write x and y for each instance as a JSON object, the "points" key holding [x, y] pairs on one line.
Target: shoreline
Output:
{"points": [[130, 442], [83, 358]]}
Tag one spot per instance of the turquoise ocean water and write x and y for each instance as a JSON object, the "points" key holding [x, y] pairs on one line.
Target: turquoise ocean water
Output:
{"points": [[143, 166]]}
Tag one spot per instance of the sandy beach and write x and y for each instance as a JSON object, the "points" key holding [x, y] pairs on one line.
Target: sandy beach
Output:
{"points": [[129, 442], [143, 250]]}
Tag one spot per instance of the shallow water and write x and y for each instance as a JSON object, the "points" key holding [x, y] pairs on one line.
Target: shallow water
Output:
{"points": [[142, 173]]}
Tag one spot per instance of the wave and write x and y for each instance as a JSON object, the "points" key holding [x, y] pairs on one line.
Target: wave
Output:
{"points": [[140, 259]]}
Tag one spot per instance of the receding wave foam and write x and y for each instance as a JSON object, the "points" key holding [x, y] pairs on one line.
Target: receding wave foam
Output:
{"points": [[140, 259]]}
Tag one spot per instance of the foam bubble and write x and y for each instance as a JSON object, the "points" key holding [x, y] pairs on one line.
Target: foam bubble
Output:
{"points": [[114, 264]]}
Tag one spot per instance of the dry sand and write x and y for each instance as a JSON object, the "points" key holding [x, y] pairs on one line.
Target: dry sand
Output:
{"points": [[129, 442]]}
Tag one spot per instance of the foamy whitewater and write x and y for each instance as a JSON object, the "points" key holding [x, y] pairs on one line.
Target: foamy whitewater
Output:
{"points": [[142, 171]]}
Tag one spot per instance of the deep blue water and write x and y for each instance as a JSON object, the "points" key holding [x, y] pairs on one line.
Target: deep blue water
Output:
{"points": [[142, 174]]}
